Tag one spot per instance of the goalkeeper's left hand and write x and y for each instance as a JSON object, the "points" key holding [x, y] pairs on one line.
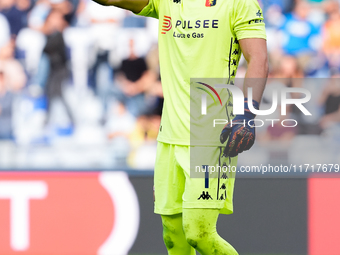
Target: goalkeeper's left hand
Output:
{"points": [[240, 132]]}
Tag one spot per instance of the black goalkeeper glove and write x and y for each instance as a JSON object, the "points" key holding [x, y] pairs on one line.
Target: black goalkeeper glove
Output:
{"points": [[240, 132]]}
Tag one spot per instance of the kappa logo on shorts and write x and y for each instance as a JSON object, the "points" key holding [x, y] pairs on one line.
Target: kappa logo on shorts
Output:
{"points": [[223, 196], [205, 196], [224, 176]]}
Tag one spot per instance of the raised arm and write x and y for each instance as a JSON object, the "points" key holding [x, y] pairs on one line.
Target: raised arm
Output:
{"points": [[255, 53], [132, 5]]}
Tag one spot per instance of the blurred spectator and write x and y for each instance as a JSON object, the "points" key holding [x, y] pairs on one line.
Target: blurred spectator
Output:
{"points": [[42, 8], [284, 6], [144, 143], [119, 126], [133, 79], [331, 35], [6, 102], [105, 25], [39, 14], [120, 122], [14, 75], [16, 12], [145, 130], [291, 74], [4, 30], [286, 67], [133, 21], [154, 93], [330, 122], [55, 50], [277, 132], [12, 79], [300, 34], [66, 7], [287, 71], [330, 100]]}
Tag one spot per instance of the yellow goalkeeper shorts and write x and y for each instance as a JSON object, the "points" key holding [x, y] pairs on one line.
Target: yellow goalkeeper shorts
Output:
{"points": [[193, 177]]}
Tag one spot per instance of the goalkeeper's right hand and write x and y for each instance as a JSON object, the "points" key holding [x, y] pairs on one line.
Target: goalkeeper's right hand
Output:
{"points": [[239, 133]]}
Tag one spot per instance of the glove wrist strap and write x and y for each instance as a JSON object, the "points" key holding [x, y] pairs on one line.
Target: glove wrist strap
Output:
{"points": [[247, 113]]}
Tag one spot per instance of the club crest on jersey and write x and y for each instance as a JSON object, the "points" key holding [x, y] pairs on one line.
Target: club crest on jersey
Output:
{"points": [[210, 3]]}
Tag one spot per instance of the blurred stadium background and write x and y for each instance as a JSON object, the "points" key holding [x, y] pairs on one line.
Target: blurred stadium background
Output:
{"points": [[81, 100]]}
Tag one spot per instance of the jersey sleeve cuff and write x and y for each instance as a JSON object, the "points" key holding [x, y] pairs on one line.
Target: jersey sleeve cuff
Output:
{"points": [[251, 34], [148, 11]]}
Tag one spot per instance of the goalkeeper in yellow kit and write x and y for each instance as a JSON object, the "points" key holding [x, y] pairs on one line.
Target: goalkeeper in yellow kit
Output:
{"points": [[200, 39]]}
